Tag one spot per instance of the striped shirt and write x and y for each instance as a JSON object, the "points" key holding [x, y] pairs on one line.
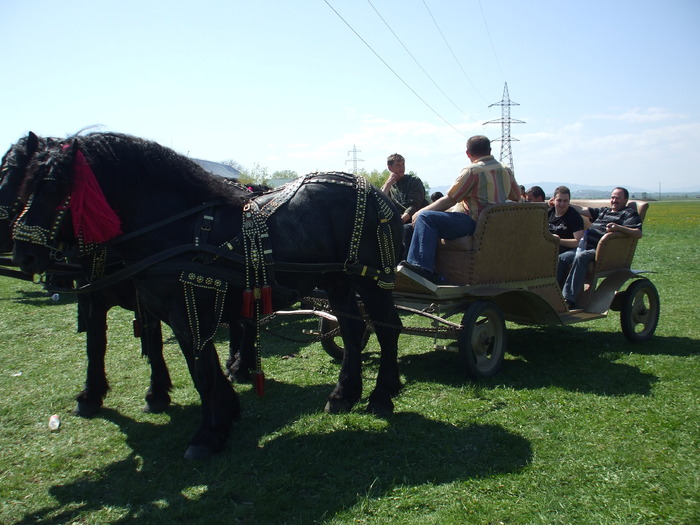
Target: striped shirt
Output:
{"points": [[484, 182]]}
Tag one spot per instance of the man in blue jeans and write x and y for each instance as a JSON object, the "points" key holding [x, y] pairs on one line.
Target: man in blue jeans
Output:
{"points": [[618, 218], [483, 182]]}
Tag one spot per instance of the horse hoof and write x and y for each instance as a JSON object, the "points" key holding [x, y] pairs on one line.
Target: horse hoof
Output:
{"points": [[381, 408], [198, 453], [156, 407], [337, 406], [87, 410]]}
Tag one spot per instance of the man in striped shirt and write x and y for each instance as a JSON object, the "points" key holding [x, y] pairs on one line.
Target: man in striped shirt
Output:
{"points": [[484, 182]]}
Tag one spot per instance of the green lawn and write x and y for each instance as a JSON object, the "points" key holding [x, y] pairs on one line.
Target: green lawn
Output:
{"points": [[580, 426]]}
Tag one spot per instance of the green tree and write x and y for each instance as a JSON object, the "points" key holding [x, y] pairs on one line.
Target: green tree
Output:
{"points": [[257, 175], [285, 174], [378, 178]]}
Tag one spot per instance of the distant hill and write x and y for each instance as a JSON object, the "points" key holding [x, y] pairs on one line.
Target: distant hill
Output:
{"points": [[581, 191]]}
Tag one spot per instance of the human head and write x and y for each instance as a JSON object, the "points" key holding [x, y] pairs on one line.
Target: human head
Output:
{"points": [[562, 199], [435, 196], [478, 146], [535, 194], [396, 164], [619, 198]]}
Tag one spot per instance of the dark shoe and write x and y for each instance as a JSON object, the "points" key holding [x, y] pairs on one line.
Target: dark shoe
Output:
{"points": [[422, 272], [570, 304]]}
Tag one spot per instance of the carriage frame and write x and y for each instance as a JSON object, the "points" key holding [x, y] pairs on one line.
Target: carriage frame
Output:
{"points": [[527, 294]]}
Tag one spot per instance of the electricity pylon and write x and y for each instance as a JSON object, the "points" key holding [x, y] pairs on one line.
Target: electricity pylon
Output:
{"points": [[505, 121], [354, 159]]}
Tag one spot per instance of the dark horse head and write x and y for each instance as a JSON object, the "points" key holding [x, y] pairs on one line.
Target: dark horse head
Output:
{"points": [[61, 185], [151, 205], [12, 173]]}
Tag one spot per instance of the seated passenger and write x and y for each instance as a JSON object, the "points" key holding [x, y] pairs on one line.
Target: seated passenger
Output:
{"points": [[535, 194], [618, 218], [565, 223], [435, 196], [407, 193], [483, 182]]}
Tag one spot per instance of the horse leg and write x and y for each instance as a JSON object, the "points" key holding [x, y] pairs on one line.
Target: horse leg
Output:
{"points": [[241, 360], [379, 305], [158, 394], [92, 318], [343, 302], [220, 404]]}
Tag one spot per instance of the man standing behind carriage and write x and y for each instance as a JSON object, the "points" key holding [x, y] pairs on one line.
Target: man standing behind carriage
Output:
{"points": [[483, 182], [406, 191]]}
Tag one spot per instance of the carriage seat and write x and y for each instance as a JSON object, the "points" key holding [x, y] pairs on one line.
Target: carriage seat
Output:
{"points": [[511, 243], [615, 251]]}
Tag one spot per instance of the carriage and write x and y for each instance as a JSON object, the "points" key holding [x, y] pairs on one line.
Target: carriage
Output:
{"points": [[201, 252], [506, 273]]}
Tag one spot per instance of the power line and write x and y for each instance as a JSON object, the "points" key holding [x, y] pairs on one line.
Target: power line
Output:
{"points": [[493, 48], [453, 54], [394, 72], [415, 60]]}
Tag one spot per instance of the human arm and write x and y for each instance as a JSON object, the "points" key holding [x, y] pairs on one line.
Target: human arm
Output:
{"points": [[414, 194], [635, 233], [442, 204], [580, 209], [393, 179], [514, 194], [571, 243]]}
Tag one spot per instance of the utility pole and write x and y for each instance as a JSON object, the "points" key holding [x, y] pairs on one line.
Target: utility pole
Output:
{"points": [[354, 159], [505, 121]]}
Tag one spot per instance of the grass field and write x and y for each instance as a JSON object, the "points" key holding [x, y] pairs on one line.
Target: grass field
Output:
{"points": [[580, 427]]}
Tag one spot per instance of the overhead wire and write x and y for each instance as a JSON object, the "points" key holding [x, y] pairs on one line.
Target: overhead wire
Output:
{"points": [[493, 48], [452, 52], [416, 60], [392, 70]]}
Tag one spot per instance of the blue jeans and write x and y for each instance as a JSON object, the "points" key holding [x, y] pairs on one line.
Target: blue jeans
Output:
{"points": [[565, 260], [574, 281], [430, 227]]}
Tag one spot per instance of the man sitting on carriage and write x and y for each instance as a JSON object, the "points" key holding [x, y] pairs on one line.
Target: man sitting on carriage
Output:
{"points": [[483, 182]]}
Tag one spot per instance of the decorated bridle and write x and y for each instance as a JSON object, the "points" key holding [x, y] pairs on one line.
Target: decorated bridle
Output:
{"points": [[94, 221], [36, 234]]}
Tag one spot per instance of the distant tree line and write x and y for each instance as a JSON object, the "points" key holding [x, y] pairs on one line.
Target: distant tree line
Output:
{"points": [[259, 175]]}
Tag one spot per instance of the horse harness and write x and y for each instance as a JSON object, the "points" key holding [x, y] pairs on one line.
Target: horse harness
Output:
{"points": [[256, 259]]}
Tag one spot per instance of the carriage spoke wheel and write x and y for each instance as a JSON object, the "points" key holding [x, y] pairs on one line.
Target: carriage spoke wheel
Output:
{"points": [[333, 345], [640, 310], [482, 340]]}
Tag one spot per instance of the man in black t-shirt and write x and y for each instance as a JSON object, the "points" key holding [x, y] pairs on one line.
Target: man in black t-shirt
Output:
{"points": [[565, 223], [617, 218]]}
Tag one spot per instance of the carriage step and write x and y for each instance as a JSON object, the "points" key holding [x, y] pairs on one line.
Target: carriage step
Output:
{"points": [[307, 331]]}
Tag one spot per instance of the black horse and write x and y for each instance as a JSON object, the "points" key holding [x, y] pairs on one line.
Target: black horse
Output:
{"points": [[93, 306], [200, 252]]}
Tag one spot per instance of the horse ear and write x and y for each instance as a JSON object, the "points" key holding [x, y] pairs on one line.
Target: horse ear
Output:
{"points": [[75, 148], [32, 143]]}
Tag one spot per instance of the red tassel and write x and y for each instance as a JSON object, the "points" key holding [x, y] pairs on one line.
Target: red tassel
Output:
{"points": [[137, 328], [93, 218], [247, 306], [266, 299], [260, 383]]}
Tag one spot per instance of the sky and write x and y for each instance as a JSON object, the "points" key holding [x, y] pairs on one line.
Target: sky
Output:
{"points": [[609, 91]]}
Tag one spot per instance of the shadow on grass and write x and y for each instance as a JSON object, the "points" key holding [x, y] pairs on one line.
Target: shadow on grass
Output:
{"points": [[272, 474], [572, 358]]}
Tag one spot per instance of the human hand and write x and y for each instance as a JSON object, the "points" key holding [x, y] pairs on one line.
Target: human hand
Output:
{"points": [[415, 216]]}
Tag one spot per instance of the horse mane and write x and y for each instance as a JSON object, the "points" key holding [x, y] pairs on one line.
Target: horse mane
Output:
{"points": [[134, 159]]}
